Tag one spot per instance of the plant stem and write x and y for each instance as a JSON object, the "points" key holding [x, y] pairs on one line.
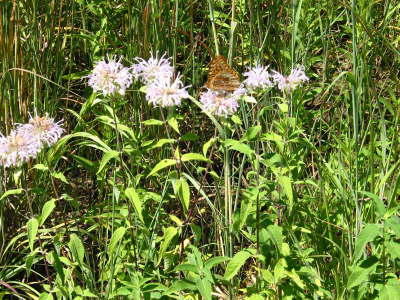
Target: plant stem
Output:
{"points": [[210, 5]]}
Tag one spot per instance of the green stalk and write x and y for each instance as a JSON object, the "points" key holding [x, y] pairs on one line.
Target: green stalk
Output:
{"points": [[232, 31], [355, 111], [213, 27]]}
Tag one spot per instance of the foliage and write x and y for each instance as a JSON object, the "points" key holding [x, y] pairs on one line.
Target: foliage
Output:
{"points": [[295, 196]]}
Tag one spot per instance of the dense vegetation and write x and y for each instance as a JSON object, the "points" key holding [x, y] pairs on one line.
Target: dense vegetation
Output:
{"points": [[295, 196]]}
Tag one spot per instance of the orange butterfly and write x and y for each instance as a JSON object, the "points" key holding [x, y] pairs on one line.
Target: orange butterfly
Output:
{"points": [[221, 77]]}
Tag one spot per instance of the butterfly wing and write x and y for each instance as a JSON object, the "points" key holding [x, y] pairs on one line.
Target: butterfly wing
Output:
{"points": [[221, 77], [226, 80]]}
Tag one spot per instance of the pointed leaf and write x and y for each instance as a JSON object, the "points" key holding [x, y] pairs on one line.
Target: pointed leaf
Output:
{"points": [[236, 263], [46, 211], [32, 227], [76, 246], [133, 197], [162, 165]]}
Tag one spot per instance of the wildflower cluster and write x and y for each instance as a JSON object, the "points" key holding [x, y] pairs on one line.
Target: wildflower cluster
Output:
{"points": [[110, 77], [219, 104], [257, 79], [27, 140], [162, 89]]}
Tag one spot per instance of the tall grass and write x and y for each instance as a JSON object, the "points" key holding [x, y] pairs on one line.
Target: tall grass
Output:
{"points": [[303, 203]]}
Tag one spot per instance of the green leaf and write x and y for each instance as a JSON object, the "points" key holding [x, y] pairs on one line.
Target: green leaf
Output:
{"points": [[46, 211], [390, 290], [162, 165], [187, 268], [286, 185], [162, 142], [152, 122], [237, 262], [252, 132], [367, 234], [394, 224], [11, 192], [41, 167], [215, 261], [32, 228], [59, 176], [236, 120], [169, 234], [58, 266], [45, 296], [184, 194], [275, 234], [207, 145], [108, 155], [193, 156], [76, 246], [361, 273], [133, 197], [174, 124], [189, 137], [86, 163], [115, 238], [204, 287], [239, 146], [393, 249]]}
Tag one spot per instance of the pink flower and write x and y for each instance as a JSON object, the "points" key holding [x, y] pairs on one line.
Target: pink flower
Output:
{"points": [[291, 82], [18, 148], [43, 129], [153, 69], [110, 77], [221, 105], [166, 93], [257, 78]]}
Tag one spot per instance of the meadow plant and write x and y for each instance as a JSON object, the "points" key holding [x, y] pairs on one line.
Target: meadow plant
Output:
{"points": [[219, 104], [165, 92], [27, 140], [291, 201], [153, 69], [291, 82], [110, 77], [257, 78]]}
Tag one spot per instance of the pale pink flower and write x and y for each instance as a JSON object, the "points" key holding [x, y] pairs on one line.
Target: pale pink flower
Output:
{"points": [[165, 93], [18, 148], [219, 104], [257, 78], [154, 69], [43, 129], [291, 82], [110, 77]]}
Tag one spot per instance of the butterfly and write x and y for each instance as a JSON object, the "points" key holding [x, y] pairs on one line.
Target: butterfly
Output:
{"points": [[221, 77]]}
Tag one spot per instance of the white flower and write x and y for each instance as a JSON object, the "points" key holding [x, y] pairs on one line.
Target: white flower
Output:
{"points": [[18, 148], [257, 78], [110, 77], [291, 82], [153, 69], [43, 129], [166, 93], [219, 104]]}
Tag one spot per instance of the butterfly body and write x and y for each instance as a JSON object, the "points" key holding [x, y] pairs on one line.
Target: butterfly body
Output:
{"points": [[221, 77]]}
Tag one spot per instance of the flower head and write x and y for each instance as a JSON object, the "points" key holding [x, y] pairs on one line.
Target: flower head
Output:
{"points": [[221, 105], [291, 82], [153, 69], [18, 148], [257, 78], [110, 77], [166, 93], [43, 129]]}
